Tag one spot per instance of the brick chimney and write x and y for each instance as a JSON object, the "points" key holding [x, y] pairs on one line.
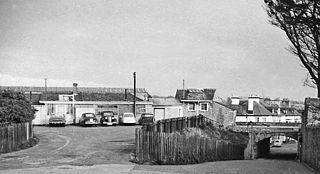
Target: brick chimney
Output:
{"points": [[235, 100], [251, 100], [75, 88]]}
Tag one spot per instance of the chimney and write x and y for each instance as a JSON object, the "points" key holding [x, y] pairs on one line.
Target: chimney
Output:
{"points": [[251, 100], [285, 102], [267, 101], [126, 94], [183, 91], [235, 100], [75, 88]]}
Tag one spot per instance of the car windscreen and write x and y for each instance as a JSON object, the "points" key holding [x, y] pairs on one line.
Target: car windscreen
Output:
{"points": [[89, 115], [107, 114], [127, 115]]}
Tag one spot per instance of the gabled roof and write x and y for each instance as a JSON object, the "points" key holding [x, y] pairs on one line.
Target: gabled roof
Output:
{"points": [[195, 94], [165, 102]]}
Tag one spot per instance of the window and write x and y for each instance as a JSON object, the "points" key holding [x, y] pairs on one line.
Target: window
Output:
{"points": [[191, 107], [51, 109], [203, 106]]}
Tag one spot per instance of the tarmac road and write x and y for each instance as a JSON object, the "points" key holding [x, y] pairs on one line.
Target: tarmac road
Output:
{"points": [[106, 150], [72, 145]]}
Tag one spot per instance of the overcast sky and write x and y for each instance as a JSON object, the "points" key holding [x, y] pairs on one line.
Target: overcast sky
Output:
{"points": [[227, 45]]}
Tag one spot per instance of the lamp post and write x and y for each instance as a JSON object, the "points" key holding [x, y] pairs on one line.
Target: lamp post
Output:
{"points": [[134, 93]]}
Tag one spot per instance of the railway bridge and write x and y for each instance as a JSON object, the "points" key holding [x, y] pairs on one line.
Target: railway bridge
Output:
{"points": [[261, 132]]}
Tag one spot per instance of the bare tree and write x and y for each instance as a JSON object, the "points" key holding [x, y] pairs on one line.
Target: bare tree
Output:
{"points": [[300, 20]]}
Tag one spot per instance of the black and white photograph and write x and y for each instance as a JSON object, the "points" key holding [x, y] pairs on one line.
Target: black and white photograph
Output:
{"points": [[160, 86]]}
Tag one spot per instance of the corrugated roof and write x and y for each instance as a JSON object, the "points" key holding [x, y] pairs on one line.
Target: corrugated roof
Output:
{"points": [[84, 94], [64, 89]]}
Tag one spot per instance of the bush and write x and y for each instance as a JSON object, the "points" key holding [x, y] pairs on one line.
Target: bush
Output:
{"points": [[14, 108]]}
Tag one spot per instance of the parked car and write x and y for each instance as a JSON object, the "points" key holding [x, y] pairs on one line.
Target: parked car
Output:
{"points": [[57, 120], [277, 143], [88, 119], [146, 118], [108, 118], [127, 118]]}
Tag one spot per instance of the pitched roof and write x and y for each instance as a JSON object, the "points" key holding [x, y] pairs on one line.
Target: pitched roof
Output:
{"points": [[258, 109], [195, 94], [165, 102], [70, 89], [84, 94]]}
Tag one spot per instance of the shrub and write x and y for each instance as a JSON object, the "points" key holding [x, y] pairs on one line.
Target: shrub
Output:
{"points": [[14, 108]]}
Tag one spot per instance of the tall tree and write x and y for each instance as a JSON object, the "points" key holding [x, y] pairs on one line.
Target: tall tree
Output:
{"points": [[300, 20]]}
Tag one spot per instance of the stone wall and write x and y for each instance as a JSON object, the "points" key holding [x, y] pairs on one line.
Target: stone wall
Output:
{"points": [[309, 143]]}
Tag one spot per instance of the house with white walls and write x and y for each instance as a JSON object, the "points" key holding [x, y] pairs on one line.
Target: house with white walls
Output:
{"points": [[71, 102]]}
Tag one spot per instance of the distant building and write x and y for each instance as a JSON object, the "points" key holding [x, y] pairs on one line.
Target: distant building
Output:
{"points": [[71, 102], [201, 101], [165, 108], [257, 109]]}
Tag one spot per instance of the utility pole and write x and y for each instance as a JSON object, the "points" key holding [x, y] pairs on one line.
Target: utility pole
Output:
{"points": [[134, 93], [45, 85]]}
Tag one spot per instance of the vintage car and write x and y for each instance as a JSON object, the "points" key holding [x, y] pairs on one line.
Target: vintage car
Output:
{"points": [[146, 119], [88, 119], [276, 143], [108, 118], [127, 118], [57, 120]]}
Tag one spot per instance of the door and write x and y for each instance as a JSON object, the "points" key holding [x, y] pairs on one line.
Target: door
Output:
{"points": [[159, 114]]}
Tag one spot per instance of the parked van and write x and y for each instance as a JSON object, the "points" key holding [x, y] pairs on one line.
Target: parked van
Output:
{"points": [[127, 118]]}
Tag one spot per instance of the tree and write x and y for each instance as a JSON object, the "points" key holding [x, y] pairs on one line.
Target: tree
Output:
{"points": [[14, 108], [300, 20]]}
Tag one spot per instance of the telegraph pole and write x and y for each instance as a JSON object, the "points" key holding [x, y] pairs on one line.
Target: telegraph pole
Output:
{"points": [[134, 93], [45, 84]]}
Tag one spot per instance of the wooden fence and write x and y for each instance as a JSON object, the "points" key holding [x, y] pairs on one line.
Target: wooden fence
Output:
{"points": [[178, 124], [172, 148], [311, 147], [12, 136]]}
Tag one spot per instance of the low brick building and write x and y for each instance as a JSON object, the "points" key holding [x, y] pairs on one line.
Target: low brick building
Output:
{"points": [[71, 102]]}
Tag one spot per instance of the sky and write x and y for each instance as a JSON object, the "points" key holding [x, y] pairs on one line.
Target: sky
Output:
{"points": [[226, 45]]}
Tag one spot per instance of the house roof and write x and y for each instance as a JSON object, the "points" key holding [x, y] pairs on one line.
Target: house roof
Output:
{"points": [[70, 89], [84, 94], [225, 105], [258, 109], [195, 94], [165, 102]]}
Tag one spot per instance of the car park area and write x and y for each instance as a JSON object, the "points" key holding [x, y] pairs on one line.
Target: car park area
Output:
{"points": [[74, 145]]}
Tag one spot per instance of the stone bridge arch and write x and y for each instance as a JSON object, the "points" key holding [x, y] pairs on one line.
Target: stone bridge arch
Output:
{"points": [[259, 142]]}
